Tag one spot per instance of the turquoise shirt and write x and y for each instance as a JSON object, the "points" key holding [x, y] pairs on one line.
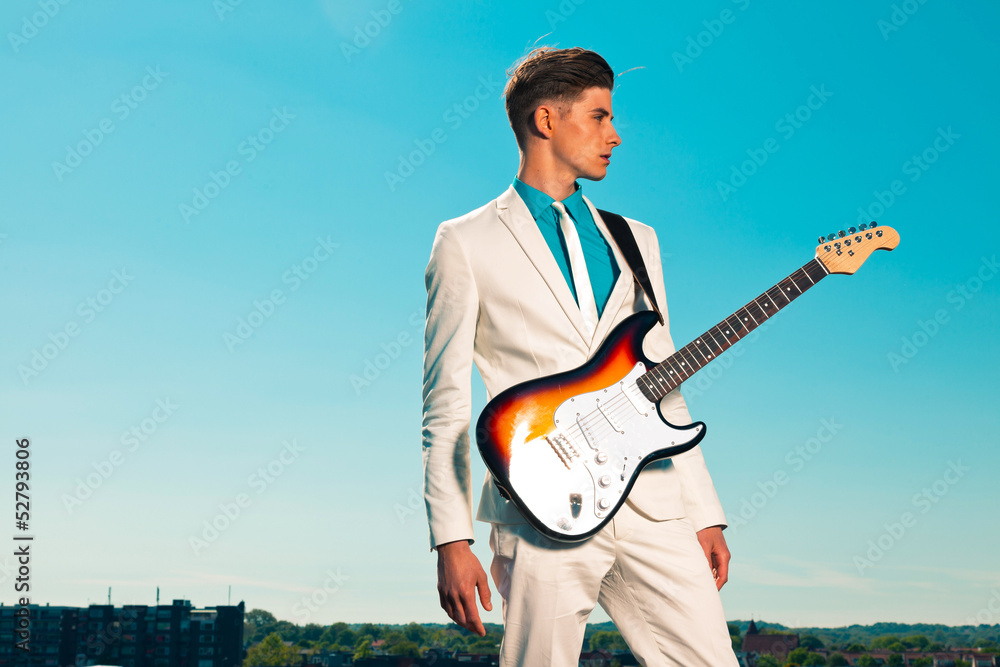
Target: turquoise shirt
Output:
{"points": [[601, 264]]}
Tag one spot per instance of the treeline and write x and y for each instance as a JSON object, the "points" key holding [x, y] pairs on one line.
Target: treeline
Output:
{"points": [[414, 639], [917, 636], [411, 639]]}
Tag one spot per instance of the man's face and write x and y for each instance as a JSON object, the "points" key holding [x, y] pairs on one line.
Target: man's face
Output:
{"points": [[583, 138]]}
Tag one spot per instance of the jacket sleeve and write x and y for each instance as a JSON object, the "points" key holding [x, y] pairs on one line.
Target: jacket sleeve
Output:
{"points": [[449, 337], [701, 502]]}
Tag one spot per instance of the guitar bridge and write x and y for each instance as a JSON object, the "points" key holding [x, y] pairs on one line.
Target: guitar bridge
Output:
{"points": [[563, 448]]}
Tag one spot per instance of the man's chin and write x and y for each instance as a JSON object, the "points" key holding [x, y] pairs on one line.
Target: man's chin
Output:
{"points": [[597, 176]]}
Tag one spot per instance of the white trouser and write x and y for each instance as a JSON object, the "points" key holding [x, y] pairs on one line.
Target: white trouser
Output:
{"points": [[651, 577]]}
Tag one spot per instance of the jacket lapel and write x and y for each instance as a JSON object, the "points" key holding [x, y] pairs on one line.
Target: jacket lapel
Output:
{"points": [[514, 213]]}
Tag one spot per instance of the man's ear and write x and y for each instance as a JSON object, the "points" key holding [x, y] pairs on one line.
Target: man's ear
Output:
{"points": [[544, 117]]}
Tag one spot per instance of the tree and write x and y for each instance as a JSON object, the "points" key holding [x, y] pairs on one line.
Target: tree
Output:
{"points": [[405, 648], [837, 660], [371, 629], [895, 660], [348, 637], [363, 648], [288, 630], [765, 660], [867, 661], [416, 633], [814, 660], [734, 636], [856, 648], [919, 642], [811, 642], [798, 655], [889, 642], [923, 662], [487, 644], [271, 652], [312, 632], [607, 639], [259, 618]]}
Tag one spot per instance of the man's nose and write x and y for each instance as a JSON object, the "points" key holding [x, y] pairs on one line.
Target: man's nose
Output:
{"points": [[614, 139]]}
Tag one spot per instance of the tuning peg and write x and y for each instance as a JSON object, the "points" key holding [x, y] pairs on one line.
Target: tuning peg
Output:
{"points": [[822, 240], [831, 236], [864, 226], [873, 225], [841, 233], [851, 230]]}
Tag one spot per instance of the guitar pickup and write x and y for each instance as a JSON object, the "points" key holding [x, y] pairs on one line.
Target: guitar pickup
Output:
{"points": [[607, 415]]}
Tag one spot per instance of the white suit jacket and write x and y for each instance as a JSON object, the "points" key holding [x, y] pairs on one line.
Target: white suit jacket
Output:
{"points": [[496, 297]]}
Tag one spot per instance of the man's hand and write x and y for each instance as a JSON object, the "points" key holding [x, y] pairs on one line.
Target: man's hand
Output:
{"points": [[459, 573], [717, 553]]}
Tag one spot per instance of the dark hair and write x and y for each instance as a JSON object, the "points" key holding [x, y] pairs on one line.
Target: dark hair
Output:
{"points": [[548, 74]]}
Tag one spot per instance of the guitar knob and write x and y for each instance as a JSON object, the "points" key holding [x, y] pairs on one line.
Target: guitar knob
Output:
{"points": [[873, 225], [851, 230], [822, 240], [864, 226], [605, 481], [601, 457], [831, 237], [841, 233], [604, 503]]}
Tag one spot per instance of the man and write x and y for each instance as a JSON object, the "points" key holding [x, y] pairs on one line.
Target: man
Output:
{"points": [[529, 285]]}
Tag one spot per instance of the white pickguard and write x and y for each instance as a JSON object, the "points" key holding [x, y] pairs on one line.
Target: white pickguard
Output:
{"points": [[574, 478]]}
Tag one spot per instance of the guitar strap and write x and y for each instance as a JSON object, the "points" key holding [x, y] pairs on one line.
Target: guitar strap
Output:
{"points": [[622, 235]]}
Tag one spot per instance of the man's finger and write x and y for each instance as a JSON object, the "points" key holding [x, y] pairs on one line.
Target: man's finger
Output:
{"points": [[723, 575], [457, 613], [484, 591], [472, 615]]}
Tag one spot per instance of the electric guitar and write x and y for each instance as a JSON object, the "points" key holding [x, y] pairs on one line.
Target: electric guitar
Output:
{"points": [[567, 448]]}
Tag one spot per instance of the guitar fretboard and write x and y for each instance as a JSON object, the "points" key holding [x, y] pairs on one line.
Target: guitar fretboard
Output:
{"points": [[660, 380]]}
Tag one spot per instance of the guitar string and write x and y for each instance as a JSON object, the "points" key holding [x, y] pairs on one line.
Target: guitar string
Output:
{"points": [[613, 407]]}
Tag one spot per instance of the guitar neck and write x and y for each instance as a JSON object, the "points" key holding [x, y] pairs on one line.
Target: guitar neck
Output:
{"points": [[685, 362]]}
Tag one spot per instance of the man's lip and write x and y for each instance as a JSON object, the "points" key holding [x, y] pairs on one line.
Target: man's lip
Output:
{"points": [[607, 156]]}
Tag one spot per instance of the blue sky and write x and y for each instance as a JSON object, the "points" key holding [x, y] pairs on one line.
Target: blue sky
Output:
{"points": [[215, 217]]}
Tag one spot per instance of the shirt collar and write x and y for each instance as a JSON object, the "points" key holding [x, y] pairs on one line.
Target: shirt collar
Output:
{"points": [[540, 204]]}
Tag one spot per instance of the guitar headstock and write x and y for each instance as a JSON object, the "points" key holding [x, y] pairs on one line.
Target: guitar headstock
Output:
{"points": [[846, 251]]}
